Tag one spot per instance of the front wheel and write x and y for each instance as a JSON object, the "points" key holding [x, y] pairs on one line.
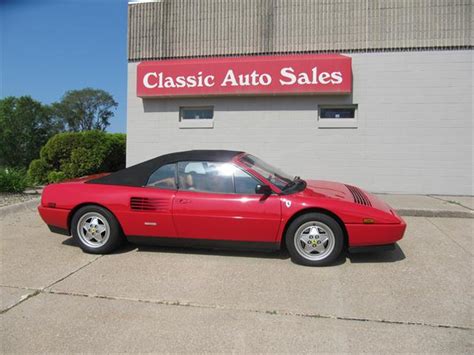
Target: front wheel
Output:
{"points": [[96, 230], [314, 239]]}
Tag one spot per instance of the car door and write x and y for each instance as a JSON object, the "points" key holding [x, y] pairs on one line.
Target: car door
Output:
{"points": [[149, 208], [217, 201]]}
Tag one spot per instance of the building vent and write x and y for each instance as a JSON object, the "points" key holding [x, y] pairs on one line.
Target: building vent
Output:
{"points": [[359, 196], [148, 204]]}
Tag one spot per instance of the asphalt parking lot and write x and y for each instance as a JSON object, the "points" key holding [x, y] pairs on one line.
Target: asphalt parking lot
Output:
{"points": [[55, 298]]}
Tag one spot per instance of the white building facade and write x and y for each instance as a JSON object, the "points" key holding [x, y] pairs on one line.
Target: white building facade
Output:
{"points": [[405, 124]]}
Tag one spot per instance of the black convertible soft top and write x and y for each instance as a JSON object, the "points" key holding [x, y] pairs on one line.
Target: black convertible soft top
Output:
{"points": [[137, 175]]}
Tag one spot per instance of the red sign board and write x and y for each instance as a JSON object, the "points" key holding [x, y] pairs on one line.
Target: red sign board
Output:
{"points": [[256, 75]]}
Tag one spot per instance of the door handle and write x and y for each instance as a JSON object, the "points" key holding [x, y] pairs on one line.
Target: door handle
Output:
{"points": [[184, 201]]}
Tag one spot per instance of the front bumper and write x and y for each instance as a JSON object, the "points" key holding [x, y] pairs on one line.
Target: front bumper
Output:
{"points": [[375, 234]]}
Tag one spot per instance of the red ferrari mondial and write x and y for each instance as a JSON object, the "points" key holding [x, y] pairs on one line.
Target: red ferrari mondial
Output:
{"points": [[218, 198]]}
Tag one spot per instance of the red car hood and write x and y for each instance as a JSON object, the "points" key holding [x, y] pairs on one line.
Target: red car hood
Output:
{"points": [[330, 189]]}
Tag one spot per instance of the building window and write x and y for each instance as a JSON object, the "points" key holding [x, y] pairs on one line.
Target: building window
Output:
{"points": [[196, 117], [340, 116]]}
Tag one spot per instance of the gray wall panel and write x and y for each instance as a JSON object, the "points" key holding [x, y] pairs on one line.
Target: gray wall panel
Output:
{"points": [[414, 135], [186, 28]]}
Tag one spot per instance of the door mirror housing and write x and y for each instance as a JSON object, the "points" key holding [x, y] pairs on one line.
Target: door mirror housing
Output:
{"points": [[263, 190]]}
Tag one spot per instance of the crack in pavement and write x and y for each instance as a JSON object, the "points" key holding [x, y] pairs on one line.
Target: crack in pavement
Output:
{"points": [[452, 202], [449, 236], [37, 291], [73, 272], [178, 303], [22, 299]]}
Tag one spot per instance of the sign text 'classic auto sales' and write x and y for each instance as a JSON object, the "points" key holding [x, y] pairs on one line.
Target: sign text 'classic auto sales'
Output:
{"points": [[270, 75]]}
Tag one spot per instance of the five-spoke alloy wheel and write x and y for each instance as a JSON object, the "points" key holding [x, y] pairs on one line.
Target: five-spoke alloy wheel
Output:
{"points": [[314, 239], [96, 230]]}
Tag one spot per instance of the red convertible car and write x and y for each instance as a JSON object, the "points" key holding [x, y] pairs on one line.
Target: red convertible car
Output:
{"points": [[218, 198]]}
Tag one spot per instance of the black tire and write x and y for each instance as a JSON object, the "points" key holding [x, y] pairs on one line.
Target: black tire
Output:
{"points": [[306, 221], [114, 238]]}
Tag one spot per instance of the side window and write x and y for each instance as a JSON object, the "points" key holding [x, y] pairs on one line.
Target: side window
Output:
{"points": [[164, 177], [206, 176], [244, 183]]}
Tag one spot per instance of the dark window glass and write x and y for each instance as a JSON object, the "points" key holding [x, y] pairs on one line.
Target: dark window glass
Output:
{"points": [[348, 112], [244, 183], [196, 113], [206, 176], [164, 177]]}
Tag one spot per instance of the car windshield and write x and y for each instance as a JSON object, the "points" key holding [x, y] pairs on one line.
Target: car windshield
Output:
{"points": [[277, 177]]}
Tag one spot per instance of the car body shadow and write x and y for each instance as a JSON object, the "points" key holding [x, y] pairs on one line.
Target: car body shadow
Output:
{"points": [[378, 257], [129, 247], [273, 254], [282, 254]]}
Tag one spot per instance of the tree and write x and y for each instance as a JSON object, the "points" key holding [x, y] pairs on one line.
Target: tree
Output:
{"points": [[25, 126], [86, 109]]}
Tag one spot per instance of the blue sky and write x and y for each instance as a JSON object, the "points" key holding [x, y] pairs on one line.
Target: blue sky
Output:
{"points": [[51, 46]]}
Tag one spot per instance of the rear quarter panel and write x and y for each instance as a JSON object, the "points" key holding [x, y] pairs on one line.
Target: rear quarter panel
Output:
{"points": [[67, 197]]}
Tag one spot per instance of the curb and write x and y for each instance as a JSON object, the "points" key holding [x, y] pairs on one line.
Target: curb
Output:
{"points": [[406, 212], [28, 205]]}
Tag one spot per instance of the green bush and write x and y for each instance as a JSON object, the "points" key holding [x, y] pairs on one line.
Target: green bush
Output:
{"points": [[84, 161], [58, 149], [38, 172], [75, 154], [116, 152], [13, 180], [56, 176]]}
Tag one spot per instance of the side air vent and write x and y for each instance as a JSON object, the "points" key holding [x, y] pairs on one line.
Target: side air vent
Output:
{"points": [[359, 196], [148, 204]]}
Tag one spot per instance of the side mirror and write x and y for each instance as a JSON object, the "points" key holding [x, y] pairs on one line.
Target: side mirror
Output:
{"points": [[263, 190]]}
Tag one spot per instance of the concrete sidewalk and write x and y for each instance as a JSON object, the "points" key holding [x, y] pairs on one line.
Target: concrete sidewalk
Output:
{"points": [[431, 205], [55, 298]]}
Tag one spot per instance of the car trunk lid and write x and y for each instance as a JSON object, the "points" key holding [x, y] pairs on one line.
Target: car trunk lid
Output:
{"points": [[83, 179]]}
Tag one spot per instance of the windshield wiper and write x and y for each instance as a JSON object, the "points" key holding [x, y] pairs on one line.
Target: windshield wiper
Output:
{"points": [[295, 180], [288, 185]]}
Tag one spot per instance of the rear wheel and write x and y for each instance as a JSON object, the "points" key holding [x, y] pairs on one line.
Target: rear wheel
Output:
{"points": [[96, 230], [314, 239]]}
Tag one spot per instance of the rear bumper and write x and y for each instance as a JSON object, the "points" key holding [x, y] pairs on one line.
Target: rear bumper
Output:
{"points": [[56, 219], [375, 234]]}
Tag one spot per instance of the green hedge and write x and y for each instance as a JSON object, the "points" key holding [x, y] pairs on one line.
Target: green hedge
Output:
{"points": [[13, 180], [75, 154]]}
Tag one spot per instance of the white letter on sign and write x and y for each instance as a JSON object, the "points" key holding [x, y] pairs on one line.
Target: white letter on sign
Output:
{"points": [[146, 83], [336, 77], [288, 73], [229, 77]]}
